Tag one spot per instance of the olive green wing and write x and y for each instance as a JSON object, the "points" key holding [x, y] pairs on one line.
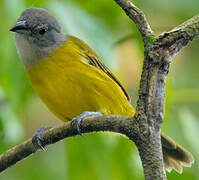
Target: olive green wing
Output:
{"points": [[86, 52]]}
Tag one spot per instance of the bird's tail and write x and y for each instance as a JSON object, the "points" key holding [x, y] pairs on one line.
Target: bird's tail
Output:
{"points": [[175, 156]]}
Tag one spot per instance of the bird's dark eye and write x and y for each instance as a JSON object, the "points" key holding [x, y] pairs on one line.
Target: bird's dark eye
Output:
{"points": [[42, 31]]}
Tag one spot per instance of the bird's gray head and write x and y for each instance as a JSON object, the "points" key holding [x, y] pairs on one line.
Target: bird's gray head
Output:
{"points": [[37, 32]]}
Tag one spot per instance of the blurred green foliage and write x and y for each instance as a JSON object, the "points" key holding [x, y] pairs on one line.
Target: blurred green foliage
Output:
{"points": [[105, 27]]}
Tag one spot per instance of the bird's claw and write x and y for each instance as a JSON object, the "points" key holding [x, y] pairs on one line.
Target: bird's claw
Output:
{"points": [[79, 118], [36, 138]]}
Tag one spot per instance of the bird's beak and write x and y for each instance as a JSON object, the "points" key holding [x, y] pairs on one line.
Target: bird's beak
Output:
{"points": [[21, 28]]}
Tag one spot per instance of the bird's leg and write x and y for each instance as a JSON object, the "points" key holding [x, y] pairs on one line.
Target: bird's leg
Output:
{"points": [[79, 118], [36, 138]]}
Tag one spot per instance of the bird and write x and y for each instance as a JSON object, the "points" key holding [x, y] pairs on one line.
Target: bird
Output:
{"points": [[73, 81]]}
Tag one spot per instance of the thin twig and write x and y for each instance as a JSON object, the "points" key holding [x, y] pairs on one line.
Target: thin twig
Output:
{"points": [[138, 18], [180, 36]]}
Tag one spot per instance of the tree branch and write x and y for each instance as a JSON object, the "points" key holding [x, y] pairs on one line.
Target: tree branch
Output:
{"points": [[180, 36], [151, 101], [119, 124], [150, 106], [144, 128], [138, 17]]}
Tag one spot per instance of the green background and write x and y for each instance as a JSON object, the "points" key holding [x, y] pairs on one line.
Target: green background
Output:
{"points": [[106, 28]]}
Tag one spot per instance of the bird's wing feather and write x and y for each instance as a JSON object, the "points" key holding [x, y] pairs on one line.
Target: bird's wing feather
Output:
{"points": [[94, 60]]}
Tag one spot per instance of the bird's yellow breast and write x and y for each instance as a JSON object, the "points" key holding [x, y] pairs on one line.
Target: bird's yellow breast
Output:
{"points": [[69, 86]]}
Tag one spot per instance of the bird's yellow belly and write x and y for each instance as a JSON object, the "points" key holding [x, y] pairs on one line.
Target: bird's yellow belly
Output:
{"points": [[68, 89]]}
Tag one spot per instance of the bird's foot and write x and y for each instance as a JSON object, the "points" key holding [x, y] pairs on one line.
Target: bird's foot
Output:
{"points": [[79, 118], [36, 138]]}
